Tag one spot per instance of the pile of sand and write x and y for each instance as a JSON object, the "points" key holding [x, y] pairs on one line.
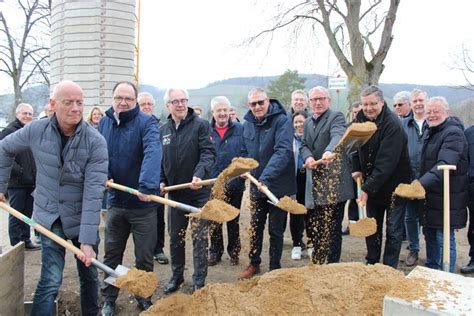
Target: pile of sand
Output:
{"points": [[218, 211], [138, 282], [334, 289], [291, 206], [363, 227], [411, 191]]}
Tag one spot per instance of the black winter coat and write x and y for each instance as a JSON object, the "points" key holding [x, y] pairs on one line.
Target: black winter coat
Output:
{"points": [[469, 133], [444, 144], [383, 160], [23, 174], [187, 152]]}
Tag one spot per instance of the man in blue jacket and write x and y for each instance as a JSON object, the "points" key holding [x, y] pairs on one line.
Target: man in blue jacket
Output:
{"points": [[268, 138], [135, 152], [227, 137]]}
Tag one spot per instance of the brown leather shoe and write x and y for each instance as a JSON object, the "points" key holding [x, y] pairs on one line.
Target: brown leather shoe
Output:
{"points": [[249, 272], [411, 259]]}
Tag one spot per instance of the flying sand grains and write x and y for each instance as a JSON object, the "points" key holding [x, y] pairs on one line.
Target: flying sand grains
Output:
{"points": [[218, 211], [291, 206], [411, 191], [363, 227], [237, 167], [138, 282]]}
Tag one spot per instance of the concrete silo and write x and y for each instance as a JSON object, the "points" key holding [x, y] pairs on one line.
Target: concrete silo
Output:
{"points": [[93, 43]]}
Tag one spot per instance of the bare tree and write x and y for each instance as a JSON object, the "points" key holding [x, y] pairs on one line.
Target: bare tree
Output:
{"points": [[350, 27], [23, 52], [464, 62]]}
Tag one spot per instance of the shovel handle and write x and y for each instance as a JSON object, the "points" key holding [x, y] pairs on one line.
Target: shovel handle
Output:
{"points": [[362, 209], [446, 219], [265, 190], [155, 198], [187, 185], [53, 236]]}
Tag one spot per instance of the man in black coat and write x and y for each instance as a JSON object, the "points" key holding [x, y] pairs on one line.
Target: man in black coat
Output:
{"points": [[22, 182], [382, 163], [469, 133], [444, 144]]}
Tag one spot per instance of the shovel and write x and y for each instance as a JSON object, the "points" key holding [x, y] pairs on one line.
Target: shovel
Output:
{"points": [[213, 210], [188, 185], [285, 203], [119, 271], [446, 220], [364, 226]]}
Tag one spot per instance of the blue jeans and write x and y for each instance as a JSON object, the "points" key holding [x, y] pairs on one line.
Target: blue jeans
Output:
{"points": [[412, 225], [434, 248], [52, 266]]}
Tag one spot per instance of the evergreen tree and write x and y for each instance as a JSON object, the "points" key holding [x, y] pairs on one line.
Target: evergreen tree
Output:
{"points": [[282, 87]]}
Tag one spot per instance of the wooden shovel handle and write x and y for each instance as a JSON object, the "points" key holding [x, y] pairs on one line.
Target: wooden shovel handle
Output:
{"points": [[41, 229], [188, 185], [155, 198], [265, 190]]}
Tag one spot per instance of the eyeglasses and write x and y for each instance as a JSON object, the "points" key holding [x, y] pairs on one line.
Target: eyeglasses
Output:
{"points": [[176, 102], [321, 99], [254, 104], [126, 99], [398, 105]]}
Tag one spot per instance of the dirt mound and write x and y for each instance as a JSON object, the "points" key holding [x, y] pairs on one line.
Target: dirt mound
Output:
{"points": [[334, 289], [363, 227], [218, 211], [138, 282]]}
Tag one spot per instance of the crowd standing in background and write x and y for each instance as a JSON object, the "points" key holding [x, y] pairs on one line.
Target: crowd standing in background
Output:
{"points": [[294, 150]]}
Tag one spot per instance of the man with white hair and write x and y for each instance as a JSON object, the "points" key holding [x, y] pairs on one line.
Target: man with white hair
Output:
{"points": [[22, 181], [444, 144], [227, 137], [188, 156], [401, 104], [299, 101], [146, 102]]}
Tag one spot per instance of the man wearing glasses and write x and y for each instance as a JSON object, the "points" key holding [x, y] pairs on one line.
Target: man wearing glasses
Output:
{"points": [[268, 138], [188, 156], [135, 152], [401, 104], [382, 163], [22, 182]]}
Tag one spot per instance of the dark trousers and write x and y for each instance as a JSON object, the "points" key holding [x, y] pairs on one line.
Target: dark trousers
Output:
{"points": [[470, 230], [395, 221], [52, 266], [21, 200], [353, 212], [297, 223], [177, 226], [217, 240], [276, 229], [160, 229], [119, 223], [326, 230]]}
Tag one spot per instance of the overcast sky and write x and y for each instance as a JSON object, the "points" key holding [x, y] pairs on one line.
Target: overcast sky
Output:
{"points": [[193, 43]]}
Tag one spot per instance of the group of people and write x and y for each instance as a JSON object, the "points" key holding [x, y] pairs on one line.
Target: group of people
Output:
{"points": [[295, 150]]}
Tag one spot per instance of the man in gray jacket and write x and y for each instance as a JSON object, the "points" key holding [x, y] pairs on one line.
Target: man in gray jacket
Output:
{"points": [[330, 185], [72, 160]]}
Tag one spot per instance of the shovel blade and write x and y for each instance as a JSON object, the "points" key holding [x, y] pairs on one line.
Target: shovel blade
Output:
{"points": [[119, 271]]}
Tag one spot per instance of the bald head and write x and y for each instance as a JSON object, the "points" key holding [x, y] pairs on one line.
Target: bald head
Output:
{"points": [[67, 102], [63, 86]]}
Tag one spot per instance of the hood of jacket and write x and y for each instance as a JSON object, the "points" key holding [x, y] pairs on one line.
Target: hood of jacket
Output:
{"points": [[274, 108]]}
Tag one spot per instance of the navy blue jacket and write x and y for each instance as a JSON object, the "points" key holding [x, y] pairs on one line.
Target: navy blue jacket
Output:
{"points": [[469, 133], [445, 144], [134, 155], [187, 152], [383, 160], [270, 142], [227, 148], [415, 142]]}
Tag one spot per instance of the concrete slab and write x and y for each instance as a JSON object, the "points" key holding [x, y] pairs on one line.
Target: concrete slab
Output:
{"points": [[434, 293], [12, 279]]}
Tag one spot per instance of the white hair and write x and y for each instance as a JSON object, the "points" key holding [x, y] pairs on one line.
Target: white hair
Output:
{"points": [[145, 94], [166, 97], [220, 100], [23, 105]]}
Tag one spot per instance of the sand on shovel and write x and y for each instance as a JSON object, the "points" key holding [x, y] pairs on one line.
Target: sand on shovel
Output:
{"points": [[363, 227], [291, 206], [237, 167], [138, 282], [217, 211], [411, 191]]}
